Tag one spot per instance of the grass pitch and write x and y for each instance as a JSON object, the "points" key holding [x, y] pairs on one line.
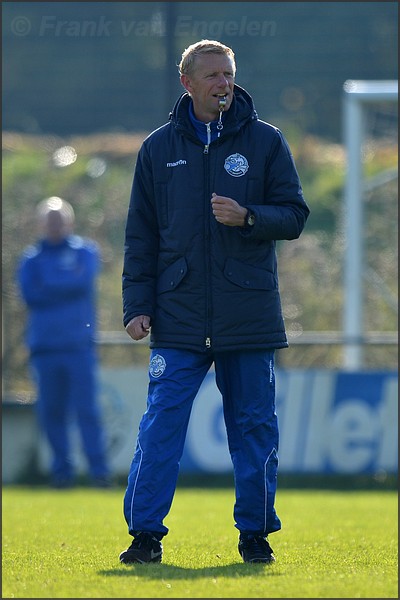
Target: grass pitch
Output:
{"points": [[65, 544]]}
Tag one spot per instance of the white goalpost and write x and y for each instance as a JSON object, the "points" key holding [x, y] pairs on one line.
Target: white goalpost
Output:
{"points": [[357, 94]]}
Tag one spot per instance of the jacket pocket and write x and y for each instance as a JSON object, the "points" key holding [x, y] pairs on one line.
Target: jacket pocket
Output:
{"points": [[172, 276], [249, 277]]}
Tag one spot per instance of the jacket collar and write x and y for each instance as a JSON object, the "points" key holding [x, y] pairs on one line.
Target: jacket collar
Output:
{"points": [[241, 111]]}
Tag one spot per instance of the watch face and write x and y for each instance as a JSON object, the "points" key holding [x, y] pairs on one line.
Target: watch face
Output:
{"points": [[251, 219]]}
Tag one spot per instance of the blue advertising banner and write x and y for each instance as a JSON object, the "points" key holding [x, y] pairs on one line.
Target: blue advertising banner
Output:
{"points": [[330, 422]]}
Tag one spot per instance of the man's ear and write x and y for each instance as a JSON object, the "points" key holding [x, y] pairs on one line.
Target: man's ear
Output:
{"points": [[185, 81]]}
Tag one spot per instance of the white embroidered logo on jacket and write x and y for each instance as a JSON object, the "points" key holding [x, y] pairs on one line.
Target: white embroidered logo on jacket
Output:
{"points": [[177, 163]]}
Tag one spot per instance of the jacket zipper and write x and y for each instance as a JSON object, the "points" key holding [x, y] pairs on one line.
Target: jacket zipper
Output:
{"points": [[207, 234], [206, 147]]}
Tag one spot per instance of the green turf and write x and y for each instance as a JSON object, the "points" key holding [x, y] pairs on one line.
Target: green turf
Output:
{"points": [[65, 544]]}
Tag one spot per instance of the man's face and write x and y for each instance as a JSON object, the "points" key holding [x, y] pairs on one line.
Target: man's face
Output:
{"points": [[212, 78], [55, 227]]}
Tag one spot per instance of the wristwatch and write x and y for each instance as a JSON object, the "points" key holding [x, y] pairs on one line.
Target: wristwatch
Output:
{"points": [[250, 219]]}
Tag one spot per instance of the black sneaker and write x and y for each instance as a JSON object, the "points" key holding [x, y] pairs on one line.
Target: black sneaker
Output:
{"points": [[255, 549], [145, 548]]}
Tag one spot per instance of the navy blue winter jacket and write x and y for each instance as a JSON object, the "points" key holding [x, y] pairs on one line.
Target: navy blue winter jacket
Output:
{"points": [[57, 282], [204, 284]]}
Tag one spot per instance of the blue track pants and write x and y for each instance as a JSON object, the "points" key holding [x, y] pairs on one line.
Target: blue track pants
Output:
{"points": [[246, 381], [66, 391]]}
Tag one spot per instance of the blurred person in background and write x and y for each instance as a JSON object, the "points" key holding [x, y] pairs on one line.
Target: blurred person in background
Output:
{"points": [[213, 190], [57, 278]]}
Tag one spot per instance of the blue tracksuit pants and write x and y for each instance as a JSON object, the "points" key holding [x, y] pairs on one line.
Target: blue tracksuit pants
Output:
{"points": [[246, 381], [66, 391]]}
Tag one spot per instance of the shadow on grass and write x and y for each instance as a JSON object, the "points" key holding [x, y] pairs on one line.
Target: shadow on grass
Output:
{"points": [[162, 571]]}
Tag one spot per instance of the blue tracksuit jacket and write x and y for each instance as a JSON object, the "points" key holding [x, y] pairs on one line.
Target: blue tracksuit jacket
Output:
{"points": [[57, 284]]}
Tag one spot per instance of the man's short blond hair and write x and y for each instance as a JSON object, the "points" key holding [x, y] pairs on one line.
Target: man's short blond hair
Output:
{"points": [[203, 47]]}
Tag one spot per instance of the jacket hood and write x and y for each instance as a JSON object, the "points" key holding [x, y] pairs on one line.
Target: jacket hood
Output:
{"points": [[241, 111]]}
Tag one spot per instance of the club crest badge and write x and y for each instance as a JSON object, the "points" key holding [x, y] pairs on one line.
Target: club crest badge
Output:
{"points": [[157, 366], [236, 165]]}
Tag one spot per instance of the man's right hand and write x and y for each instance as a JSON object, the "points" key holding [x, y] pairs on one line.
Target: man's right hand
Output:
{"points": [[138, 327]]}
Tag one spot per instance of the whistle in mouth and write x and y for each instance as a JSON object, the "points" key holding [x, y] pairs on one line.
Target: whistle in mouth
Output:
{"points": [[221, 102]]}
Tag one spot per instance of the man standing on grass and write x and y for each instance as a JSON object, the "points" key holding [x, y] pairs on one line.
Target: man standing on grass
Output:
{"points": [[57, 279], [213, 190]]}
